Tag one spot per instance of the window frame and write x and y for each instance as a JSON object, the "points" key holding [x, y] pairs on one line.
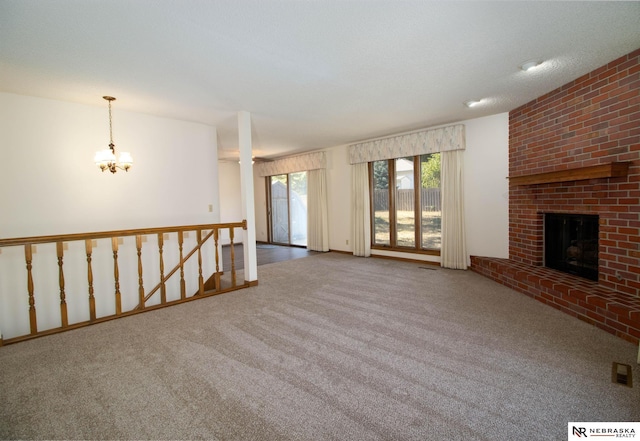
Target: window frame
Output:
{"points": [[417, 248]]}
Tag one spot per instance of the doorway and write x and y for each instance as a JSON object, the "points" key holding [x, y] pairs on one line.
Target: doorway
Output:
{"points": [[287, 211]]}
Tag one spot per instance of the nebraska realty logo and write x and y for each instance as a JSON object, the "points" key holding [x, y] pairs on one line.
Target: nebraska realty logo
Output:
{"points": [[603, 430]]}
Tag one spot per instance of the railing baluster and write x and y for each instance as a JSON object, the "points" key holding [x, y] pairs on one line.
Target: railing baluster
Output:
{"points": [[200, 279], [217, 254], [233, 257], [163, 287], [183, 288], [215, 249], [116, 274], [33, 323], [140, 280], [63, 299], [92, 301]]}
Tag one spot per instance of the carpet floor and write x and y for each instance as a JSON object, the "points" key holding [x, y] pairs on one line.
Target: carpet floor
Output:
{"points": [[327, 347]]}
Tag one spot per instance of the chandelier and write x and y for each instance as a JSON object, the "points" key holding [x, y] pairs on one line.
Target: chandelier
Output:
{"points": [[106, 159]]}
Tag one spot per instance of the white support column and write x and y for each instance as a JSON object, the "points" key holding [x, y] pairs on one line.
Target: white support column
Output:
{"points": [[246, 188]]}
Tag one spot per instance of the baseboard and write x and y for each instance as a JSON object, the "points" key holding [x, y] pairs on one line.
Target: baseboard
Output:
{"points": [[404, 259]]}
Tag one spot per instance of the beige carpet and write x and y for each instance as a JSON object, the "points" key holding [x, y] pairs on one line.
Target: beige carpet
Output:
{"points": [[328, 347]]}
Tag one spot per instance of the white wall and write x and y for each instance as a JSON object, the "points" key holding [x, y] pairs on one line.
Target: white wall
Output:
{"points": [[49, 184], [339, 199], [486, 162], [260, 198], [230, 206], [230, 198]]}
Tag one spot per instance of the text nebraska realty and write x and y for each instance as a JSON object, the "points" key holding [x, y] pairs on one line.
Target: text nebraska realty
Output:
{"points": [[611, 432]]}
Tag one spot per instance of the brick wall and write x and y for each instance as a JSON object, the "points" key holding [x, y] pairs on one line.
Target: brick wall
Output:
{"points": [[590, 121]]}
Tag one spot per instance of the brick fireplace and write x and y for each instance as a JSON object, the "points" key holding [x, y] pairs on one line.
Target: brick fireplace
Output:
{"points": [[576, 150]]}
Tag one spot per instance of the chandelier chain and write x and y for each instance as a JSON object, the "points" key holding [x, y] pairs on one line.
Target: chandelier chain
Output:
{"points": [[110, 125]]}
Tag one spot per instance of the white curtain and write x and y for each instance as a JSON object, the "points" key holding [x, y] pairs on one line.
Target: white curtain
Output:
{"points": [[317, 211], [454, 250], [361, 213]]}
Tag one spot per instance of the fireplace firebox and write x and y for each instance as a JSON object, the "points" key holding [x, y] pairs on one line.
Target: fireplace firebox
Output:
{"points": [[571, 244]]}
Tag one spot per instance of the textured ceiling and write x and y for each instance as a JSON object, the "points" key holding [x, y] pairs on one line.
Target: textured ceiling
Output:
{"points": [[313, 74]]}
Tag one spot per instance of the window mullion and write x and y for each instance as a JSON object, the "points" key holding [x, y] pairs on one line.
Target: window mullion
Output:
{"points": [[289, 205], [392, 203], [372, 217], [417, 207], [269, 208]]}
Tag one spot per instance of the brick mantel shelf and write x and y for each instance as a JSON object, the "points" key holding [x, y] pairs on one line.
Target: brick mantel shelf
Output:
{"points": [[609, 170]]}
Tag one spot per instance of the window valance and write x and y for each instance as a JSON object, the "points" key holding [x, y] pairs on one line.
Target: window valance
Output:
{"points": [[412, 144], [292, 164]]}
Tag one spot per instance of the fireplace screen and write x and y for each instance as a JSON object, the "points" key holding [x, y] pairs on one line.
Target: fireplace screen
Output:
{"points": [[571, 244]]}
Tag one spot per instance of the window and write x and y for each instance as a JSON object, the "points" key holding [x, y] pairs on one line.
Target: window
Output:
{"points": [[430, 202], [403, 217], [405, 207], [381, 201]]}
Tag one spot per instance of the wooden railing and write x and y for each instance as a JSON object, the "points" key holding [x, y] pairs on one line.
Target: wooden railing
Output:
{"points": [[123, 260]]}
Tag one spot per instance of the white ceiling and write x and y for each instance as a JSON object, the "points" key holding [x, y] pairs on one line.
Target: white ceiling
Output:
{"points": [[313, 74]]}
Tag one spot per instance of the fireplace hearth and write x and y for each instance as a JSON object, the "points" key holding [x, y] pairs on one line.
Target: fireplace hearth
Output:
{"points": [[571, 244]]}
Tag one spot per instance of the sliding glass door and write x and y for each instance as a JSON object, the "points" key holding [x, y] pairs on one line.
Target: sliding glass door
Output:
{"points": [[288, 208]]}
